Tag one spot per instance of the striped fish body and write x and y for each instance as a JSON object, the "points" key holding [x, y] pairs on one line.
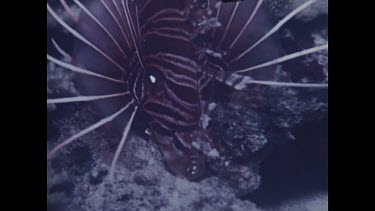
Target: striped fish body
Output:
{"points": [[159, 63], [174, 103], [166, 52]]}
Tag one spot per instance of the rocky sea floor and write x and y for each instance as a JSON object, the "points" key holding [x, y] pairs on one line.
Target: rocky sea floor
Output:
{"points": [[272, 143]]}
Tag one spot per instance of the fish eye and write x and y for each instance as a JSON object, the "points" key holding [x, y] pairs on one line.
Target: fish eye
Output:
{"points": [[153, 79]]}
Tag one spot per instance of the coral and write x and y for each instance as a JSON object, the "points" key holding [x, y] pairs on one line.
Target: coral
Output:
{"points": [[142, 182]]}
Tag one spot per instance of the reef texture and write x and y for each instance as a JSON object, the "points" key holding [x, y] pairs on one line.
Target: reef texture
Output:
{"points": [[78, 177]]}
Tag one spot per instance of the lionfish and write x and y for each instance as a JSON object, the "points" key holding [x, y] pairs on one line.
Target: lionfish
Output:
{"points": [[157, 58]]}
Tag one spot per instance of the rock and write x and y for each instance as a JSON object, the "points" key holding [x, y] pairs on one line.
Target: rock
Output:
{"points": [[310, 203], [141, 179]]}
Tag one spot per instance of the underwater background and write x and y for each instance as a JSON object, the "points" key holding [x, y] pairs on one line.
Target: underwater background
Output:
{"points": [[277, 139]]}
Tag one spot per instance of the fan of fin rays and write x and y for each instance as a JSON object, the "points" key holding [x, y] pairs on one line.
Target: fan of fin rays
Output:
{"points": [[134, 27]]}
